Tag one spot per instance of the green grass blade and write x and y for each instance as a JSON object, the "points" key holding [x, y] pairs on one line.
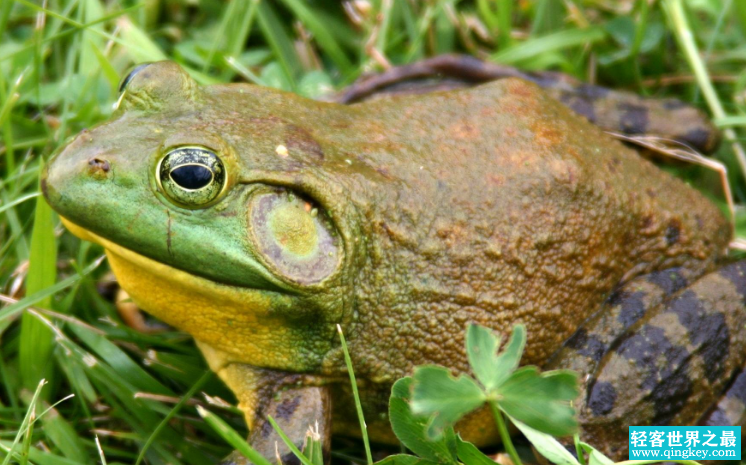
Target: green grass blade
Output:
{"points": [[304, 460], [26, 445], [5, 8], [189, 394], [677, 17], [27, 421], [64, 436], [245, 72], [505, 22], [40, 457], [279, 42], [19, 201], [37, 341], [92, 39], [138, 44], [221, 33], [101, 455], [52, 39], [11, 97], [32, 299], [237, 40], [356, 395], [232, 437], [120, 361], [548, 43], [321, 33], [107, 68]]}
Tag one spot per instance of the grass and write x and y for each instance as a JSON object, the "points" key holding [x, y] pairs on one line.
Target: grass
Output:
{"points": [[60, 63]]}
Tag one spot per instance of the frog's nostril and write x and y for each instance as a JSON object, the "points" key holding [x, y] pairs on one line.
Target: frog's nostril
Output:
{"points": [[99, 165]]}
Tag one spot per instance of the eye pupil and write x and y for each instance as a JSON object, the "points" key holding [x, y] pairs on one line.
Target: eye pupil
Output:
{"points": [[191, 177]]}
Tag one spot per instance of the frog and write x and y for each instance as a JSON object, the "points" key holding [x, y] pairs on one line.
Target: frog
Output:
{"points": [[262, 223]]}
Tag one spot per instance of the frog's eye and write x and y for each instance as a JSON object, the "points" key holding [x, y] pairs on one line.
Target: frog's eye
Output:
{"points": [[293, 237], [191, 177], [131, 75]]}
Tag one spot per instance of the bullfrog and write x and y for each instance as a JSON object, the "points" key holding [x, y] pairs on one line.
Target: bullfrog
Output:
{"points": [[258, 221]]}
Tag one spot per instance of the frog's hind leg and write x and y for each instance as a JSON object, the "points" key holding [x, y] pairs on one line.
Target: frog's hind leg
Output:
{"points": [[584, 350], [731, 408], [669, 366], [729, 411]]}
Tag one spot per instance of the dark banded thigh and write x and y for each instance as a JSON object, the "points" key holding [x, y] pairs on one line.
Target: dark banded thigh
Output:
{"points": [[673, 364]]}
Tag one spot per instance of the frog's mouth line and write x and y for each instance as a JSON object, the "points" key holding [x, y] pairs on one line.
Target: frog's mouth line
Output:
{"points": [[159, 269]]}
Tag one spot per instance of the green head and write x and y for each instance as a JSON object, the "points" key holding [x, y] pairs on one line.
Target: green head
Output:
{"points": [[208, 223]]}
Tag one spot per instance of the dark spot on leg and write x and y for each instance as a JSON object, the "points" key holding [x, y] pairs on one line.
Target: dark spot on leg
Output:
{"points": [[634, 119], [577, 340], [670, 395], [715, 344], [663, 368], [644, 347], [44, 186], [265, 429], [290, 459], [592, 92], [632, 308], [698, 138], [615, 298], [588, 345], [601, 398], [736, 273], [548, 80], [579, 105], [708, 331], [669, 280], [287, 407]]}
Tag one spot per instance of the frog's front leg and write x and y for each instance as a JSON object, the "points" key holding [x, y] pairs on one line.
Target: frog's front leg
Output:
{"points": [[670, 365], [295, 406]]}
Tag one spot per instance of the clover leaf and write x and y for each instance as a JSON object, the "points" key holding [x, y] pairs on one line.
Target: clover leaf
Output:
{"points": [[540, 400], [411, 429], [443, 398], [481, 347]]}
